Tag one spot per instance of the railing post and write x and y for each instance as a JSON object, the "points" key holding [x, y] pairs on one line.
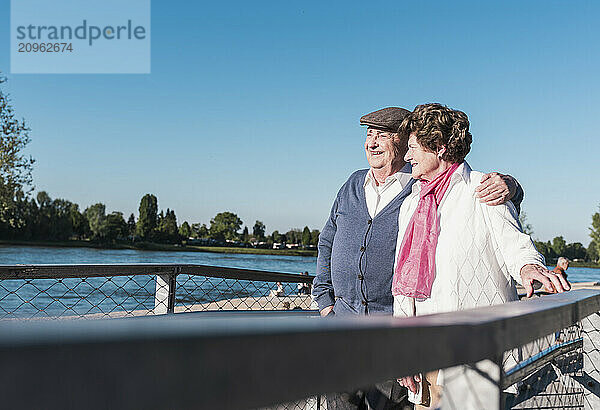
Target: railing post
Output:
{"points": [[172, 287], [591, 361], [474, 386], [164, 295]]}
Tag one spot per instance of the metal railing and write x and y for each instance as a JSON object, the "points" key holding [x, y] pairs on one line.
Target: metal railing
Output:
{"points": [[114, 290], [237, 360]]}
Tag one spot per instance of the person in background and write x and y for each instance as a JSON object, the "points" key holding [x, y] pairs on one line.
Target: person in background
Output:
{"points": [[304, 288], [561, 266], [279, 291]]}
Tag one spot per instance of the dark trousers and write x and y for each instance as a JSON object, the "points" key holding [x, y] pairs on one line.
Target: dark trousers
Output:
{"points": [[383, 396]]}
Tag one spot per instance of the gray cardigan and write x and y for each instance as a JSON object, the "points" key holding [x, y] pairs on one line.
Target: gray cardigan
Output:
{"points": [[357, 253]]}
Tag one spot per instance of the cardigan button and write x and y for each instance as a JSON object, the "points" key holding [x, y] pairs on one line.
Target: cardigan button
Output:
{"points": [[364, 302], [370, 221], [362, 248], [360, 277]]}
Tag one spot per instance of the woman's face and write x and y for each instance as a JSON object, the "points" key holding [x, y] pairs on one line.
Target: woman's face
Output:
{"points": [[425, 164]]}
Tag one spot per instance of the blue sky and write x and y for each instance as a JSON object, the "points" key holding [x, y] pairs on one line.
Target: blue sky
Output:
{"points": [[253, 107]]}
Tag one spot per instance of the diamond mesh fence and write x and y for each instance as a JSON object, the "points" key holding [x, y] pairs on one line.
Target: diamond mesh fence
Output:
{"points": [[201, 293], [113, 296], [545, 372]]}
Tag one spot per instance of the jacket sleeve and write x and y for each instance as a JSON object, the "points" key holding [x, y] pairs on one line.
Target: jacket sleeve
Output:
{"points": [[322, 285], [518, 197], [516, 247]]}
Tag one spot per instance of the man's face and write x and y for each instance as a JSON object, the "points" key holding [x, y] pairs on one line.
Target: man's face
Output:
{"points": [[382, 148]]}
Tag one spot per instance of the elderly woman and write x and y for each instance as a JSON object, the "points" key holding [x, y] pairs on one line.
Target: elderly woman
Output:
{"points": [[453, 252]]}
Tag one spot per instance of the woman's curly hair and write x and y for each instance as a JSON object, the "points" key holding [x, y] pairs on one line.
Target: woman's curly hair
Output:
{"points": [[437, 126]]}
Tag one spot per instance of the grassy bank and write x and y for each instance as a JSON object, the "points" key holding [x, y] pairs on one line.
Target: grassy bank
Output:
{"points": [[147, 246], [584, 265]]}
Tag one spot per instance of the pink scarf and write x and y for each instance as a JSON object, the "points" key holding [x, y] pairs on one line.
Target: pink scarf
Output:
{"points": [[415, 270]]}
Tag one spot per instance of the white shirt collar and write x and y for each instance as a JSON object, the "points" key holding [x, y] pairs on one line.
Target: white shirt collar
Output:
{"points": [[403, 176]]}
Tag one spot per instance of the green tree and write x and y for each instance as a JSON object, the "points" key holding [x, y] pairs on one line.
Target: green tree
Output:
{"points": [[199, 231], [314, 237], [167, 227], [575, 250], [245, 235], [28, 213], [115, 226], [592, 252], [306, 236], [258, 231], [96, 216], [185, 230], [55, 219], [559, 245], [225, 225], [595, 232], [276, 237], [78, 222], [148, 216], [15, 166], [61, 226], [542, 248], [293, 236], [44, 215], [131, 226]]}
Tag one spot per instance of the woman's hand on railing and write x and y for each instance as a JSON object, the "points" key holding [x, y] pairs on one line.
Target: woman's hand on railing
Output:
{"points": [[410, 382], [552, 282]]}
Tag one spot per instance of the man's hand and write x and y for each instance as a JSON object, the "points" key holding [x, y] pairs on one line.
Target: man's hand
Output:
{"points": [[553, 282], [410, 382], [326, 311], [496, 189]]}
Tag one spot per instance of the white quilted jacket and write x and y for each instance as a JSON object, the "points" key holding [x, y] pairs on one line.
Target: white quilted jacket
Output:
{"points": [[479, 254]]}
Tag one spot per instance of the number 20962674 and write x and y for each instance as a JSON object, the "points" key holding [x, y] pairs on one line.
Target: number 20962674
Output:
{"points": [[45, 48]]}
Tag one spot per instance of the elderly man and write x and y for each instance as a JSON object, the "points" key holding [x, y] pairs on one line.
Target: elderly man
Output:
{"points": [[357, 245]]}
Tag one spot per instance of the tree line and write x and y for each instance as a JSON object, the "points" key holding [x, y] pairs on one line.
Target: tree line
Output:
{"points": [[558, 246], [44, 218]]}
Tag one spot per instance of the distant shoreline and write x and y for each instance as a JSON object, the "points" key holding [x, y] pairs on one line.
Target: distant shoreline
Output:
{"points": [[148, 246]]}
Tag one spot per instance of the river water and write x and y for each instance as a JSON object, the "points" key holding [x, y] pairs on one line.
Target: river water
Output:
{"points": [[10, 255]]}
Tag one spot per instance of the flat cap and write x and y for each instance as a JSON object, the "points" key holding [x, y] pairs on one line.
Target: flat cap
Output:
{"points": [[387, 119]]}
